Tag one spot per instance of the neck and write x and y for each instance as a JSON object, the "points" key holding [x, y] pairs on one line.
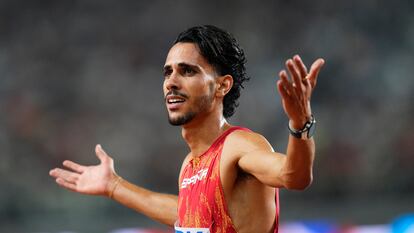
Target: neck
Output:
{"points": [[201, 133]]}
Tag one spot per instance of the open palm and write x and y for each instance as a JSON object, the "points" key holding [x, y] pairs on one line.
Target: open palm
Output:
{"points": [[93, 180], [296, 92]]}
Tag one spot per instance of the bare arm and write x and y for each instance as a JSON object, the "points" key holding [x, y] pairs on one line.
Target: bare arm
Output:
{"points": [[293, 170], [158, 206], [102, 180]]}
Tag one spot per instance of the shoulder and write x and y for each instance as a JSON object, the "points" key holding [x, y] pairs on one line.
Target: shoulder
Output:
{"points": [[240, 142]]}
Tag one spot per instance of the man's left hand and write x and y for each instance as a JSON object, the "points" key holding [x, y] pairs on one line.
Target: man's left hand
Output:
{"points": [[296, 92]]}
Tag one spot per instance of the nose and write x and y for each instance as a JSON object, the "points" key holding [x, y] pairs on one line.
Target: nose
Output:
{"points": [[172, 82]]}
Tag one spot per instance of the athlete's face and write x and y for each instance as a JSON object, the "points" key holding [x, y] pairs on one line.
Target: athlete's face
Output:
{"points": [[188, 84]]}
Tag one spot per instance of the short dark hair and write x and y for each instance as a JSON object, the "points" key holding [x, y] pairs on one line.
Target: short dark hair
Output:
{"points": [[222, 51]]}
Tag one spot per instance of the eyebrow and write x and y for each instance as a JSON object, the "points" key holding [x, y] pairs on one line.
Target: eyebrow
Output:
{"points": [[182, 65]]}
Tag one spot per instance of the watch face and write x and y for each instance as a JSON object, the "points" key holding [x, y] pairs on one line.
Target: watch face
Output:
{"points": [[311, 130]]}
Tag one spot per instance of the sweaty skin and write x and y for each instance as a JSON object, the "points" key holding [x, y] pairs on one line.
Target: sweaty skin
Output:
{"points": [[249, 167]]}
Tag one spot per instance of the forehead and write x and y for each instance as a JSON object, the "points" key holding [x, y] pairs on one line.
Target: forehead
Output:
{"points": [[186, 53]]}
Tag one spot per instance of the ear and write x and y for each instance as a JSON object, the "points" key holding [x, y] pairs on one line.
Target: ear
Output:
{"points": [[223, 85]]}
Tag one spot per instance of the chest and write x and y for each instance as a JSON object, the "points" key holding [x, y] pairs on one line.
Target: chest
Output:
{"points": [[201, 199], [199, 183]]}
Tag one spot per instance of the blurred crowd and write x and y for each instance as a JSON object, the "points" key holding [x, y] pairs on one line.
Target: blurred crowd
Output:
{"points": [[77, 73]]}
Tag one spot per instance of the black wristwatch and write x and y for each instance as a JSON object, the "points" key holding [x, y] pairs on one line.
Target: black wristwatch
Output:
{"points": [[306, 132]]}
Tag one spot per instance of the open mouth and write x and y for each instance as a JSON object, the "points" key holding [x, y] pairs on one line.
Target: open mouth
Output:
{"points": [[174, 102]]}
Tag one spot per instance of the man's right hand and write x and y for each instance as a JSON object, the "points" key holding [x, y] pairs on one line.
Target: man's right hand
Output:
{"points": [[102, 180], [92, 180]]}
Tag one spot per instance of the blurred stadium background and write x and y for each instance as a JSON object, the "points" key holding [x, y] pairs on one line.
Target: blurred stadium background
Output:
{"points": [[77, 73]]}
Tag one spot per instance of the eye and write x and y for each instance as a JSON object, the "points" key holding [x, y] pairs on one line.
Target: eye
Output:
{"points": [[187, 71], [167, 73]]}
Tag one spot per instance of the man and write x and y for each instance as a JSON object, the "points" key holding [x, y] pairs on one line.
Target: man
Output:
{"points": [[230, 179]]}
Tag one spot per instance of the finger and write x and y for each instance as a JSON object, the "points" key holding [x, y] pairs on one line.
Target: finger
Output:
{"points": [[314, 71], [307, 84], [63, 174], [301, 67], [101, 154], [66, 184], [282, 90], [295, 76], [74, 166], [286, 83], [54, 173]]}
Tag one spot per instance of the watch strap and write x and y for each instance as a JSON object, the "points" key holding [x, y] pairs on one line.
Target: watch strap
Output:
{"points": [[305, 132]]}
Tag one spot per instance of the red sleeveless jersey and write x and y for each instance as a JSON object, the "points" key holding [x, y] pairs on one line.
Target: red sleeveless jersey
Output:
{"points": [[201, 203]]}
